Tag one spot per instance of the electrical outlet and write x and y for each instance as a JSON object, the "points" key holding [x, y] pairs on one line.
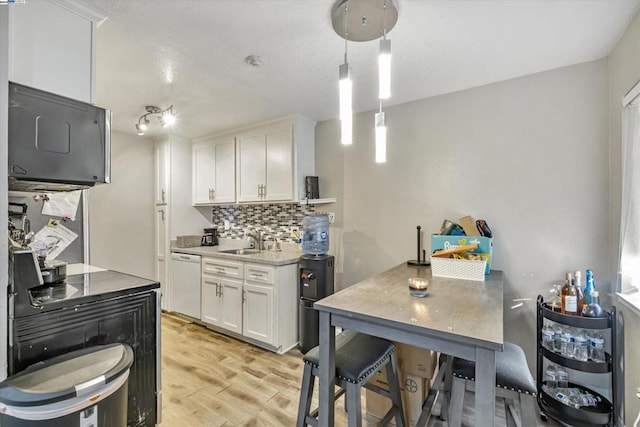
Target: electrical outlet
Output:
{"points": [[332, 217]]}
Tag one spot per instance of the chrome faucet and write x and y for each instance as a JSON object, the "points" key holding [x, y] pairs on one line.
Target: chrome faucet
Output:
{"points": [[257, 236]]}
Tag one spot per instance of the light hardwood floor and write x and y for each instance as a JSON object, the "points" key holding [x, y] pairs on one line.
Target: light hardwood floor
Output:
{"points": [[211, 380]]}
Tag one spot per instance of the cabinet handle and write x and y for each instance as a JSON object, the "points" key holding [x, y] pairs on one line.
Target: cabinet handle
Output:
{"points": [[221, 289], [217, 290], [244, 296], [162, 214], [163, 196], [264, 191], [220, 270]]}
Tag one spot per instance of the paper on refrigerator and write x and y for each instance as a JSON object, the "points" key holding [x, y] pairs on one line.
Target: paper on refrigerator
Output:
{"points": [[50, 241], [63, 204]]}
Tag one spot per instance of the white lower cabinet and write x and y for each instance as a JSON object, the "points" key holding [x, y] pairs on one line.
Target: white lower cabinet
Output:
{"points": [[222, 302], [255, 302], [257, 315]]}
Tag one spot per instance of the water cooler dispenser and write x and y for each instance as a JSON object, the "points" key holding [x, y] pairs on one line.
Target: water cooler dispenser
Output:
{"points": [[316, 282]]}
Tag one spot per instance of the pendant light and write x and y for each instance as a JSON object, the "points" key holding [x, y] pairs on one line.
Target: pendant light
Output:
{"points": [[366, 20], [381, 137], [345, 92]]}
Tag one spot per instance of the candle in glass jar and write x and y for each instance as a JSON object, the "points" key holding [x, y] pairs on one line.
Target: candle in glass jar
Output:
{"points": [[418, 286]]}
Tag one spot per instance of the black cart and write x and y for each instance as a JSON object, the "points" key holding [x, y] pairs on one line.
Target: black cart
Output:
{"points": [[604, 414]]}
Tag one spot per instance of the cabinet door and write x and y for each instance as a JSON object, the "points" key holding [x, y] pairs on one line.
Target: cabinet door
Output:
{"points": [[161, 256], [252, 166], [225, 172], [161, 172], [51, 48], [211, 301], [258, 313], [231, 305], [279, 176], [204, 184]]}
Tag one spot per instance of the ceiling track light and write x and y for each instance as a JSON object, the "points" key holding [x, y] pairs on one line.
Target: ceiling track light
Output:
{"points": [[166, 117], [361, 21]]}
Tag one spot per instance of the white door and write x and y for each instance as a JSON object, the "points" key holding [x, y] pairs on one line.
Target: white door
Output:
{"points": [[252, 167], [161, 255], [225, 172], [211, 301], [258, 321], [161, 172], [231, 305], [279, 176], [204, 182]]}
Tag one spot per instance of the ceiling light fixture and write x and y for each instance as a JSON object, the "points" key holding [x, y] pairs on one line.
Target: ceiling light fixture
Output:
{"points": [[345, 92], [166, 118], [366, 20]]}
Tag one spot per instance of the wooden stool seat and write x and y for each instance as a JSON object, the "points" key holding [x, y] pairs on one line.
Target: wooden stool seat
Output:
{"points": [[357, 358]]}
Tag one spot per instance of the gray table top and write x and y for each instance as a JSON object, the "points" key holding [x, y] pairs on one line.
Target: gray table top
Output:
{"points": [[461, 310]]}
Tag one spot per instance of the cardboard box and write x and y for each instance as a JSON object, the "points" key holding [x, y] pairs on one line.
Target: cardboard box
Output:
{"points": [[485, 245], [414, 390], [417, 361]]}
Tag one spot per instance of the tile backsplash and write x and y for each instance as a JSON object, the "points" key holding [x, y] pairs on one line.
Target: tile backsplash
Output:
{"points": [[275, 221]]}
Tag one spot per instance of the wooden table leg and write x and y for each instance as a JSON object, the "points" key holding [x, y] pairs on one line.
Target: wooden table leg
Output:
{"points": [[327, 371], [485, 395]]}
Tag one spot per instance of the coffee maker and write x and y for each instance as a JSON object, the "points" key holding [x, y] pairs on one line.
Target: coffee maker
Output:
{"points": [[210, 237]]}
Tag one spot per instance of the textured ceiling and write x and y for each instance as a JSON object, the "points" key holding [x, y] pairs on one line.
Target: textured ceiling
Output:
{"points": [[190, 53]]}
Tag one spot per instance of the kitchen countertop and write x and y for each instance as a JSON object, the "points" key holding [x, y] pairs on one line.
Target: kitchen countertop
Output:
{"points": [[264, 257]]}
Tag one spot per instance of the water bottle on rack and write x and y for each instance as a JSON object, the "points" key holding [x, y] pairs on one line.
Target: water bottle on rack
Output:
{"points": [[551, 376], [557, 338], [562, 377], [597, 349], [547, 336], [567, 343], [581, 348]]}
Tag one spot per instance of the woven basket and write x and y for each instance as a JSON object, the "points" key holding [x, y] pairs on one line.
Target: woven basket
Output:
{"points": [[457, 268]]}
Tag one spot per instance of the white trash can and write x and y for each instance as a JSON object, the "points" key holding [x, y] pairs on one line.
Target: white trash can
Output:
{"points": [[83, 388]]}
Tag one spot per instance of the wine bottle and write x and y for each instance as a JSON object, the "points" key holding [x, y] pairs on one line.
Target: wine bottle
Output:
{"points": [[569, 297]]}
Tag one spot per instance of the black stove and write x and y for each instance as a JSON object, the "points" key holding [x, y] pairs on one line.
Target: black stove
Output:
{"points": [[98, 308]]}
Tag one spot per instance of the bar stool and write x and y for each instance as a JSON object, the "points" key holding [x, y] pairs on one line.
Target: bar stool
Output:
{"points": [[357, 357], [514, 383]]}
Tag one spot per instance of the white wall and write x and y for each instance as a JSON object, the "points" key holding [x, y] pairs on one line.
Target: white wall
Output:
{"points": [[624, 72], [528, 155], [121, 213]]}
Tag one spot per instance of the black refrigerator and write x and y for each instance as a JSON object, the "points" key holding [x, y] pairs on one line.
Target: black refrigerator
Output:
{"points": [[316, 281]]}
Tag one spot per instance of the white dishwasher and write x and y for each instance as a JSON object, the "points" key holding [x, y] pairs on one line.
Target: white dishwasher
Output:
{"points": [[185, 281]]}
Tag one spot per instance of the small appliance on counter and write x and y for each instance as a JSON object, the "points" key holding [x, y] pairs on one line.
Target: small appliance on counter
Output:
{"points": [[210, 237]]}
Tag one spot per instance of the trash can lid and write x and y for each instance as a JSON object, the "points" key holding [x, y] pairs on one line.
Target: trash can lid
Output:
{"points": [[66, 376]]}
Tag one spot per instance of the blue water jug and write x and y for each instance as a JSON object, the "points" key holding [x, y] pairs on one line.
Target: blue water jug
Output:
{"points": [[315, 240]]}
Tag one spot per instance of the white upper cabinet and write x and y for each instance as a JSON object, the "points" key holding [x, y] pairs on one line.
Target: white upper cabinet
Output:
{"points": [[213, 171], [269, 163], [52, 45], [265, 164]]}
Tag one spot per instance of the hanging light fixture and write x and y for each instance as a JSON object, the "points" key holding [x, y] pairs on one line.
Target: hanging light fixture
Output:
{"points": [[166, 118], [366, 20], [381, 137], [384, 69]]}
